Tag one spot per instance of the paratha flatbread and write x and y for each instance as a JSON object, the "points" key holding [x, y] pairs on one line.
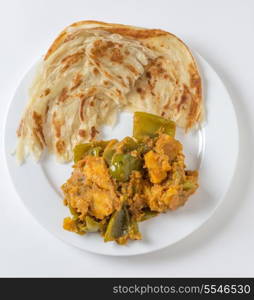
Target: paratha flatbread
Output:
{"points": [[92, 71]]}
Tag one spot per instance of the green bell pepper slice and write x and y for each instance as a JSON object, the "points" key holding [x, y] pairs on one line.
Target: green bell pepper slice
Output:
{"points": [[146, 124], [122, 165], [118, 225]]}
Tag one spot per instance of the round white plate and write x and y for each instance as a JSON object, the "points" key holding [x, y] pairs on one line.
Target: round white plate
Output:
{"points": [[212, 149]]}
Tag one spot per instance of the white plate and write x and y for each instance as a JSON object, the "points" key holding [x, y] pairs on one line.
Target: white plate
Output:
{"points": [[213, 150]]}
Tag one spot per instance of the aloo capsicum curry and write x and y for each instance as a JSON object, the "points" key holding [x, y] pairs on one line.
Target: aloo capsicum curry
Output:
{"points": [[116, 184]]}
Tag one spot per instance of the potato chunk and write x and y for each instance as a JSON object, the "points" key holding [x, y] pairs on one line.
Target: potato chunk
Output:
{"points": [[157, 165], [167, 145]]}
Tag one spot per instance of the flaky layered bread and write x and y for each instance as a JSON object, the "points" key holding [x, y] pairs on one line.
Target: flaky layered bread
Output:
{"points": [[92, 71]]}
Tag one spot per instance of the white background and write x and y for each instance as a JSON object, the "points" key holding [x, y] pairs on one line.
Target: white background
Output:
{"points": [[222, 31]]}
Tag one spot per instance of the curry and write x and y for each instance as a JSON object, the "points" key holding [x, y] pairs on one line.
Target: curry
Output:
{"points": [[117, 184]]}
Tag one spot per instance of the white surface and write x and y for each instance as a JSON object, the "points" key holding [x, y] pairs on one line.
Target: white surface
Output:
{"points": [[200, 146], [222, 31]]}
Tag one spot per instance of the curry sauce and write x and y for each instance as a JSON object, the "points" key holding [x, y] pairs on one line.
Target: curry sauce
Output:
{"points": [[116, 184]]}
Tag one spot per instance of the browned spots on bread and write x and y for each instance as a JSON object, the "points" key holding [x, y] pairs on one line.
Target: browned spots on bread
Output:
{"points": [[100, 47], [91, 92], [72, 36], [116, 56], [107, 48], [47, 110], [166, 106], [195, 80], [63, 95], [76, 81], [60, 146], [95, 71], [38, 128], [189, 102], [193, 113], [97, 62], [46, 92], [119, 93], [83, 98], [82, 133], [106, 83], [107, 74], [142, 92], [94, 132], [81, 109], [79, 95], [184, 97], [196, 84], [132, 69], [57, 124], [120, 79], [71, 59], [156, 69]]}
